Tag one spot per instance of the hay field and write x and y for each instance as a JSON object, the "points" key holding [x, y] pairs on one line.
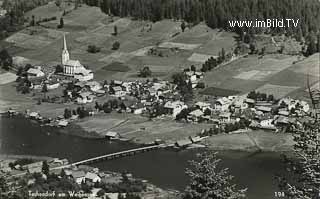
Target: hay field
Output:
{"points": [[6, 78], [309, 66], [276, 90], [201, 58], [182, 46]]}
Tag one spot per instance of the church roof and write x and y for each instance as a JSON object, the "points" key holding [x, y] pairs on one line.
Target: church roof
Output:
{"points": [[74, 63]]}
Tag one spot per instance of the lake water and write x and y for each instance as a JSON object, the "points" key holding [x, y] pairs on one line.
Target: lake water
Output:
{"points": [[164, 168]]}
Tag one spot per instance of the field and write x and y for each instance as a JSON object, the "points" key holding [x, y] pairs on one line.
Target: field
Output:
{"points": [[42, 44], [7, 78], [218, 92], [280, 75]]}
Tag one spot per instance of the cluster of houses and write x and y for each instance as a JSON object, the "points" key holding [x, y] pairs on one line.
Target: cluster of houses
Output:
{"points": [[79, 174], [35, 167]]}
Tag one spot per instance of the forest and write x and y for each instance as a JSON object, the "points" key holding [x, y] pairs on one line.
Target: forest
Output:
{"points": [[216, 13]]}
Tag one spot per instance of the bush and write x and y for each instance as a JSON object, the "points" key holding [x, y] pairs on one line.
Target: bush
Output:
{"points": [[115, 45], [93, 49]]}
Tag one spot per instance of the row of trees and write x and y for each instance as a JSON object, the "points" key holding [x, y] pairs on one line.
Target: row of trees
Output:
{"points": [[217, 13], [260, 96], [183, 85]]}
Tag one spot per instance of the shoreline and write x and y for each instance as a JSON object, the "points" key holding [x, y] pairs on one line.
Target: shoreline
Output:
{"points": [[250, 141]]}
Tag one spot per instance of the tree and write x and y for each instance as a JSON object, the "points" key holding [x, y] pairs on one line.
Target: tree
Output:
{"points": [[32, 22], [304, 164], [183, 26], [59, 69], [115, 45], [145, 72], [58, 3], [45, 168], [115, 30], [5, 59], [207, 181], [44, 88], [270, 98], [67, 113], [207, 111], [61, 24], [93, 49], [193, 68]]}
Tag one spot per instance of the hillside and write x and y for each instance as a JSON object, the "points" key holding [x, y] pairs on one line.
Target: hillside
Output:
{"points": [[272, 73]]}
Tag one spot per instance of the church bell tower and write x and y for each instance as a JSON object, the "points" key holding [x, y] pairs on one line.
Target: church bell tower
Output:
{"points": [[65, 54]]}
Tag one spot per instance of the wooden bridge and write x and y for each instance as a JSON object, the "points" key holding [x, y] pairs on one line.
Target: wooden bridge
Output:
{"points": [[111, 156]]}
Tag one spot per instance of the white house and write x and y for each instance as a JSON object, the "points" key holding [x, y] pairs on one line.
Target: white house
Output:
{"points": [[222, 104], [112, 135], [203, 105], [195, 115], [175, 108], [78, 176], [85, 97], [94, 85], [35, 72], [117, 91], [268, 124], [92, 177]]}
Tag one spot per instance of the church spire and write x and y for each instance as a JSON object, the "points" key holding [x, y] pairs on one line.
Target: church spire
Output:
{"points": [[64, 42], [65, 54]]}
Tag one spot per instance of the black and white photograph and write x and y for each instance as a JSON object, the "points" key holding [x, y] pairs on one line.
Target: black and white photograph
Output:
{"points": [[159, 99]]}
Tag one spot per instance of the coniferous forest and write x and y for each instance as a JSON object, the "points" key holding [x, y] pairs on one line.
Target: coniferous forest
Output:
{"points": [[216, 13]]}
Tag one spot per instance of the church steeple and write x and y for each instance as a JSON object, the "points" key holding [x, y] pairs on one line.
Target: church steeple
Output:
{"points": [[65, 54]]}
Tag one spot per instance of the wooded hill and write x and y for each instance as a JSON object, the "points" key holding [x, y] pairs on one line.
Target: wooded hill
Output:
{"points": [[216, 13]]}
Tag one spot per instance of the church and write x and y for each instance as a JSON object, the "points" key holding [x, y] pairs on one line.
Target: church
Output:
{"points": [[74, 67]]}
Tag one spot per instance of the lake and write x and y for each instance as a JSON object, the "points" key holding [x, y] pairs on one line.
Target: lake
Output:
{"points": [[164, 168]]}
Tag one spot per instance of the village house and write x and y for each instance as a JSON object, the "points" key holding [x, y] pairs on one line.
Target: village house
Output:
{"points": [[112, 135], [225, 117], [222, 104], [35, 72], [183, 143], [267, 124], [195, 115], [203, 106], [174, 108], [138, 108], [35, 167], [78, 176], [92, 177], [62, 123], [85, 97], [52, 85], [263, 109], [93, 85], [117, 91]]}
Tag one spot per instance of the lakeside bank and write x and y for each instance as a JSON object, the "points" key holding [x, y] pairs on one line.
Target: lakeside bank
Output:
{"points": [[248, 141]]}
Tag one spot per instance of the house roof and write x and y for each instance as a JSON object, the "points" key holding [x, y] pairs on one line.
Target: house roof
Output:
{"points": [[225, 114], [202, 104], [196, 113], [35, 71], [91, 176], [174, 104], [111, 134], [63, 123], [117, 88], [250, 101], [78, 174], [92, 83], [85, 94], [183, 142], [263, 108]]}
